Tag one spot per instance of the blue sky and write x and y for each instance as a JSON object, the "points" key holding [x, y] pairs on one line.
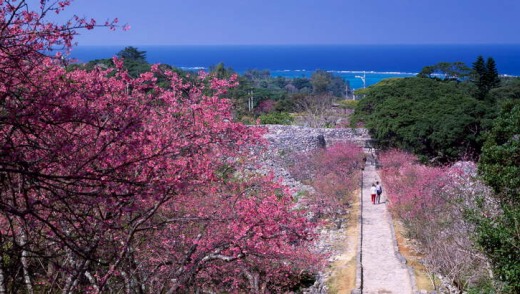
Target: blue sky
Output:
{"points": [[197, 22]]}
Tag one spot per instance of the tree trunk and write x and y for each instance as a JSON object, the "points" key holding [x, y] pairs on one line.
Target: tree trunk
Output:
{"points": [[73, 278], [25, 264], [92, 280], [2, 278], [253, 278]]}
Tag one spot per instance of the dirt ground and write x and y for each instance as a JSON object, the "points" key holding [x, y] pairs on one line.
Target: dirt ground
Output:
{"points": [[342, 273], [423, 280]]}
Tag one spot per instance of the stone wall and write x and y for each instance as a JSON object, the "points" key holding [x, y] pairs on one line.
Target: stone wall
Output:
{"points": [[287, 140], [298, 139]]}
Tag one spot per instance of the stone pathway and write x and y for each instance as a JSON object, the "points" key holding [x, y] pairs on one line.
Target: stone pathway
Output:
{"points": [[382, 268]]}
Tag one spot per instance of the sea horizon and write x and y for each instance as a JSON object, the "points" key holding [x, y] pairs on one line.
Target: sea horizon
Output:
{"points": [[376, 62]]}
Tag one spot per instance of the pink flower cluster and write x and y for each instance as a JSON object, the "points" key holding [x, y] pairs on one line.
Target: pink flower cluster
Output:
{"points": [[110, 182]]}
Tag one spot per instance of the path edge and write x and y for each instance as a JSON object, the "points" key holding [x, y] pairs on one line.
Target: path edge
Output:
{"points": [[359, 256], [399, 256]]}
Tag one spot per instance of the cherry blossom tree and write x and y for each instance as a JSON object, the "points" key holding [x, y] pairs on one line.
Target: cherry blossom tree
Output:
{"points": [[334, 172], [432, 203], [117, 184]]}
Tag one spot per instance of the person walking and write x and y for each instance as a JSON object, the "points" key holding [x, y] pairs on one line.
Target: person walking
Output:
{"points": [[379, 191], [373, 193]]}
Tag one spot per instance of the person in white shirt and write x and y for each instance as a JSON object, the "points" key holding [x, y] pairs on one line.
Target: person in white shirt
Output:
{"points": [[373, 193]]}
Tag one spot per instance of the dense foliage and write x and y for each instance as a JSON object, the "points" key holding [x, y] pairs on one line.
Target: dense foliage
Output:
{"points": [[440, 115], [431, 202], [446, 71], [443, 115], [334, 172], [436, 119], [258, 95], [509, 90], [499, 234], [134, 62], [500, 160], [115, 183]]}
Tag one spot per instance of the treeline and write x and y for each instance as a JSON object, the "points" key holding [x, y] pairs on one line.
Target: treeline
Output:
{"points": [[448, 113], [442, 114], [258, 95]]}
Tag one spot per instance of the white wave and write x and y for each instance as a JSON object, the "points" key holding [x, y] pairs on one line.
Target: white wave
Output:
{"points": [[371, 72], [193, 67], [368, 72]]}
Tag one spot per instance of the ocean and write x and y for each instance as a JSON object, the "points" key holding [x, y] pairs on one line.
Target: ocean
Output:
{"points": [[360, 65]]}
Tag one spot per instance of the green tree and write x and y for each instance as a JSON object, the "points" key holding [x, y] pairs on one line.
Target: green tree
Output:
{"points": [[100, 63], [500, 160], [324, 82], [320, 81], [499, 233], [132, 53], [302, 84], [221, 71], [492, 78], [448, 70], [134, 61], [338, 87], [435, 119], [485, 76], [479, 68], [509, 90]]}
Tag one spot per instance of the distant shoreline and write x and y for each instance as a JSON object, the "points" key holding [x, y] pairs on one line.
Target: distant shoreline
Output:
{"points": [[300, 60]]}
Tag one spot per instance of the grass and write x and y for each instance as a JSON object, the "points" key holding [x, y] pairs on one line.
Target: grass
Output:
{"points": [[423, 279]]}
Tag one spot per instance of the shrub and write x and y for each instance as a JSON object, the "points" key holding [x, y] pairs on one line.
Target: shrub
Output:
{"points": [[348, 104], [276, 118]]}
